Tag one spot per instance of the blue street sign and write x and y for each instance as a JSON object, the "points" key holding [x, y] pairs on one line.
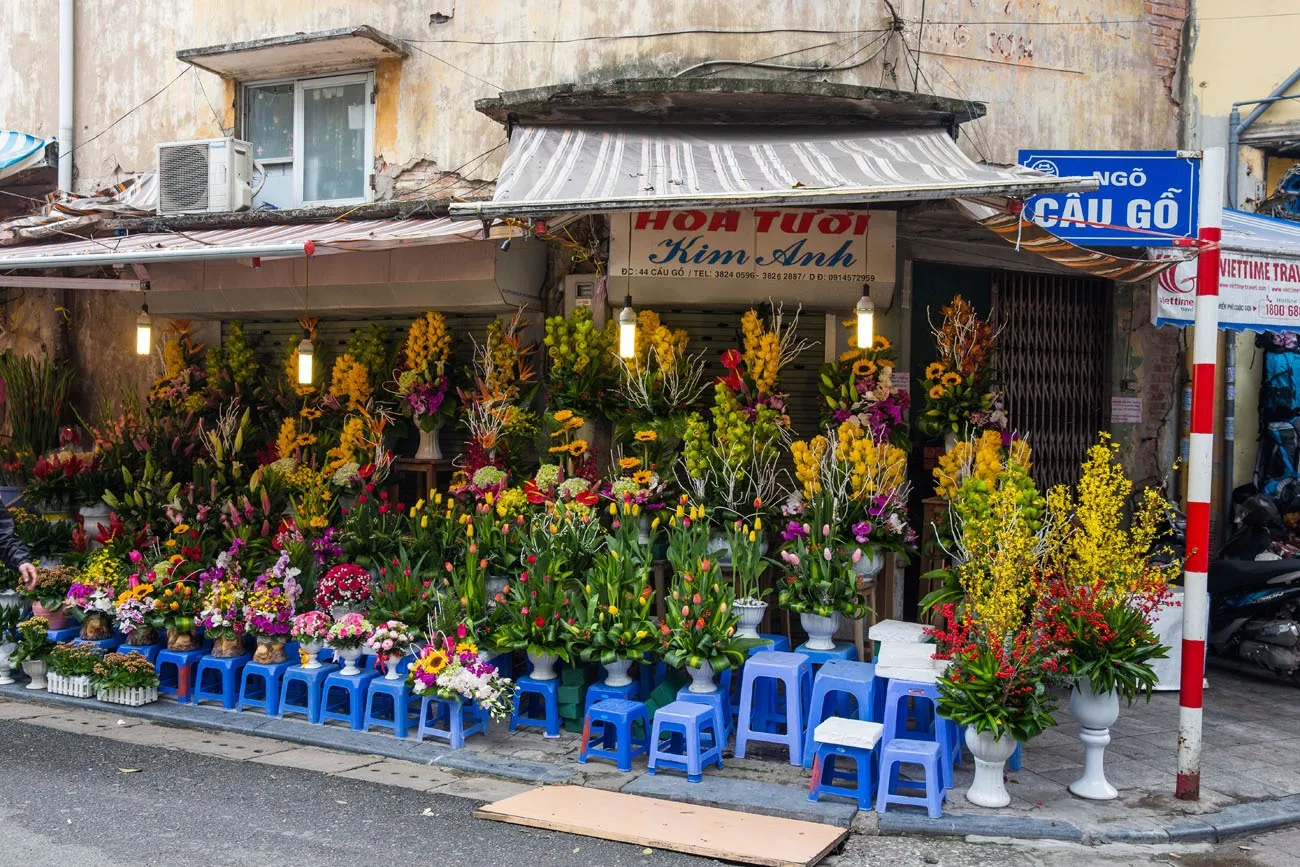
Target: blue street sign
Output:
{"points": [[1144, 198]]}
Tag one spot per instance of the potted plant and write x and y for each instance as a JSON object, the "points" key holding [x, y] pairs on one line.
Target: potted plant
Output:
{"points": [[50, 594], [56, 479], [177, 606], [268, 610], [958, 388], [748, 547], [71, 666], [222, 615], [9, 617], [33, 650], [820, 585], [10, 581], [133, 615], [531, 609], [125, 678], [347, 637], [14, 465], [47, 541], [344, 589], [422, 384], [452, 670], [91, 600], [389, 642], [311, 630]]}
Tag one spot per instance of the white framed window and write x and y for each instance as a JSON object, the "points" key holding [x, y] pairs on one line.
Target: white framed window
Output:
{"points": [[313, 138]]}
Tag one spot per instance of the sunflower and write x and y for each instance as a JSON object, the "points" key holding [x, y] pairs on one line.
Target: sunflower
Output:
{"points": [[865, 367], [951, 379], [574, 422], [433, 661], [578, 448], [936, 392], [308, 412], [466, 647], [642, 477], [555, 450], [880, 343], [629, 463], [934, 371], [563, 415], [850, 354], [646, 436]]}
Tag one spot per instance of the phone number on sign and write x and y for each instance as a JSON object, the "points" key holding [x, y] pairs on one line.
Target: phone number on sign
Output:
{"points": [[833, 278]]}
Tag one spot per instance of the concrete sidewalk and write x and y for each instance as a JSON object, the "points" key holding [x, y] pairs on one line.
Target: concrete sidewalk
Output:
{"points": [[1250, 781]]}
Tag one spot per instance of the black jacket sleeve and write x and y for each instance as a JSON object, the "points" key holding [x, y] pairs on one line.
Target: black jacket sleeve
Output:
{"points": [[12, 549]]}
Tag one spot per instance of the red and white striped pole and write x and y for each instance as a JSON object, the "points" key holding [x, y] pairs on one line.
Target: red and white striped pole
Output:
{"points": [[1200, 470]]}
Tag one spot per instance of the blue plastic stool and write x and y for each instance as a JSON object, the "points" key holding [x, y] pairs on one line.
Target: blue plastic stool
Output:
{"points": [[260, 686], [148, 651], [67, 633], [601, 692], [226, 673], [396, 696], [311, 681], [835, 680], [504, 664], [843, 650], [529, 696], [1017, 759], [462, 719], [719, 701], [779, 643], [794, 671], [176, 672], [905, 751], [678, 740], [615, 718], [108, 645], [350, 707], [838, 738], [943, 731]]}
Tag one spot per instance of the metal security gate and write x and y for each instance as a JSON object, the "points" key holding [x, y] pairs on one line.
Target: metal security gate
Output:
{"points": [[1053, 363]]}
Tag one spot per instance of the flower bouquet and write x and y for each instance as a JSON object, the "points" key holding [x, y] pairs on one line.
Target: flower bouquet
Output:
{"points": [[71, 666], [661, 380], [50, 593], [178, 604], [958, 387], [347, 638], [344, 589], [638, 475], [859, 387], [57, 477], [423, 382], [452, 671], [133, 612], [93, 606], [580, 375], [496, 410], [389, 642], [125, 678], [311, 630], [268, 610], [222, 614]]}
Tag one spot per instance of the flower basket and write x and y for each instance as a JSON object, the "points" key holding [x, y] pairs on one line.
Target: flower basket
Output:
{"points": [[77, 687], [182, 641], [142, 637], [96, 626], [228, 647], [132, 697], [270, 650]]}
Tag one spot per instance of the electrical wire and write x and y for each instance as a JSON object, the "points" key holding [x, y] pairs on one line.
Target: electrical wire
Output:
{"points": [[655, 35], [198, 80], [454, 66], [764, 63], [133, 110]]}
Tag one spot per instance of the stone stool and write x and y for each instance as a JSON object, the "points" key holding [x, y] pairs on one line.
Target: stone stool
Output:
{"points": [[176, 672], [944, 731], [226, 673], [616, 741], [462, 719], [343, 698], [794, 671], [929, 755], [833, 683], [312, 680], [838, 738], [537, 703], [682, 724], [394, 694], [260, 686]]}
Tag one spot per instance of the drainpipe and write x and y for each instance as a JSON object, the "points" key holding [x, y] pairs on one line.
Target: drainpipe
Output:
{"points": [[65, 95], [1237, 126]]}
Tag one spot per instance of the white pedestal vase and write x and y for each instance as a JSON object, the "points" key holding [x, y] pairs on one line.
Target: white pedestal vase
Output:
{"points": [[702, 678], [391, 662], [350, 656], [751, 613], [1096, 713], [720, 549], [869, 565], [543, 666], [310, 650], [36, 669], [430, 449], [91, 517], [6, 650], [989, 789], [616, 673], [821, 630], [643, 529]]}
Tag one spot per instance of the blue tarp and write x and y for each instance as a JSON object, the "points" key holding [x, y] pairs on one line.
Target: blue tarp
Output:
{"points": [[19, 150]]}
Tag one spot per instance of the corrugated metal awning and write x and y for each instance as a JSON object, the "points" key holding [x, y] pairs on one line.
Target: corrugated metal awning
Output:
{"points": [[557, 169], [267, 242], [19, 151]]}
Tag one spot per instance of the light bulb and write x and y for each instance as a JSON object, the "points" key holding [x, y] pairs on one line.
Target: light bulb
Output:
{"points": [[143, 332], [627, 330], [866, 315], [305, 350]]}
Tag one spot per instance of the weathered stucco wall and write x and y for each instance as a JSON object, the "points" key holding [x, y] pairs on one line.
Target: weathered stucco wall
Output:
{"points": [[1055, 74]]}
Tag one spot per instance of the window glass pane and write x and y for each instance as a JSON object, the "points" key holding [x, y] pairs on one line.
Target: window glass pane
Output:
{"points": [[268, 121], [334, 129]]}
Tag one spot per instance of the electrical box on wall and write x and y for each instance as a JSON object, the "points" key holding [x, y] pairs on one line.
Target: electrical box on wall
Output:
{"points": [[580, 291]]}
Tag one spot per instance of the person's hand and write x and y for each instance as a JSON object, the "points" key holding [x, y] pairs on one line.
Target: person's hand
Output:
{"points": [[28, 571]]}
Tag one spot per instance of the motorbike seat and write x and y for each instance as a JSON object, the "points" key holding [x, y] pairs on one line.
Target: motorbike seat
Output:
{"points": [[1233, 576]]}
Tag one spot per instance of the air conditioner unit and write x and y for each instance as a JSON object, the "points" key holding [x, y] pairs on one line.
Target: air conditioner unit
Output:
{"points": [[208, 176]]}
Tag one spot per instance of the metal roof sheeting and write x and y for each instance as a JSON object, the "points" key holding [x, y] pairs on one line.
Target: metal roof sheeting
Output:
{"points": [[557, 169], [258, 241], [1255, 234]]}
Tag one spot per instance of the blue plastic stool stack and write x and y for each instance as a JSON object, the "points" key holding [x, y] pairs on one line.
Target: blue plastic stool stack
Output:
{"points": [[719, 700], [67, 633], [260, 686], [309, 682], [836, 680], [343, 698], [943, 731], [148, 651], [613, 719], [393, 710], [462, 720], [678, 740], [176, 672], [839, 738], [794, 672], [601, 692], [226, 674], [930, 756], [108, 645], [537, 703]]}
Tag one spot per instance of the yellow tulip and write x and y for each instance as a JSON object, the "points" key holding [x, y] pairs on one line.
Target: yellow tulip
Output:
{"points": [[469, 531], [424, 522], [758, 523], [488, 498]]}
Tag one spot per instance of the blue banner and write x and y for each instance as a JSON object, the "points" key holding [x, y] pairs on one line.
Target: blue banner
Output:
{"points": [[1145, 198]]}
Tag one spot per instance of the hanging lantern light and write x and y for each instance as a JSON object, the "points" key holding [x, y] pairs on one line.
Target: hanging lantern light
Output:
{"points": [[143, 331], [305, 350], [866, 325], [627, 330]]}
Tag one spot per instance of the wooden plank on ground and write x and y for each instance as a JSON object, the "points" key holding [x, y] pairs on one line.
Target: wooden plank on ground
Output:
{"points": [[708, 831]]}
